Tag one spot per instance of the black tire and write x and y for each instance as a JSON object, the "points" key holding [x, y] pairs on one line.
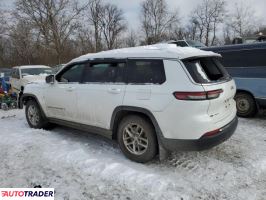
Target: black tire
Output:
{"points": [[41, 122], [246, 105], [147, 134]]}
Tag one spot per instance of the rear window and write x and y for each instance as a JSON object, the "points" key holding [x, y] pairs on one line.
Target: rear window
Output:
{"points": [[146, 72], [206, 70]]}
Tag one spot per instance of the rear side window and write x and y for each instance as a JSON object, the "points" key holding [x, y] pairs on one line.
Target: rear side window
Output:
{"points": [[247, 72], [244, 58], [146, 72], [206, 70]]}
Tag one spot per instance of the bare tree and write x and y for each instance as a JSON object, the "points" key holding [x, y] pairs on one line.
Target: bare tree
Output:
{"points": [[3, 35], [21, 38], [85, 41], [3, 22], [55, 20], [131, 40], [207, 16], [96, 9], [242, 20], [112, 24], [156, 19]]}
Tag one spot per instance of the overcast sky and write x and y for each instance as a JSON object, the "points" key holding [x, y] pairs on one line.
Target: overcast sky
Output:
{"points": [[132, 8]]}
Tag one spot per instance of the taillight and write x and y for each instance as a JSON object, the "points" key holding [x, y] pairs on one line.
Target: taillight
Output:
{"points": [[213, 94]]}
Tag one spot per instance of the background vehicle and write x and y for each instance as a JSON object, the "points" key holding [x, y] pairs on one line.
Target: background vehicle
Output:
{"points": [[57, 68], [5, 73], [247, 64], [249, 40], [22, 75], [147, 98], [187, 43]]}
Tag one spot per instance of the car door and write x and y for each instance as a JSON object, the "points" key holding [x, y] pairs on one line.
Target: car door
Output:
{"points": [[61, 96], [101, 91], [145, 78]]}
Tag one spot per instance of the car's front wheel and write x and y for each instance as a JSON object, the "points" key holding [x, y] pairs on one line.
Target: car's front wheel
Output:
{"points": [[34, 116], [137, 139]]}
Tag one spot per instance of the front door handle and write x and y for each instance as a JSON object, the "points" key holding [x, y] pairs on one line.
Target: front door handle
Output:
{"points": [[114, 90]]}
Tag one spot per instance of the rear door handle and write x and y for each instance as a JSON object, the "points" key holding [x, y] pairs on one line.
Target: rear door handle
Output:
{"points": [[114, 90]]}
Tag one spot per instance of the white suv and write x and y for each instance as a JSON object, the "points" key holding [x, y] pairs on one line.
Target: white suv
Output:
{"points": [[22, 75], [151, 98]]}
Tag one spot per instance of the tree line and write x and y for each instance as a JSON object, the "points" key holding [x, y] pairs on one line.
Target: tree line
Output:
{"points": [[55, 31]]}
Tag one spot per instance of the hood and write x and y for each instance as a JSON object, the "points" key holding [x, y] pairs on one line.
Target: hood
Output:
{"points": [[35, 78]]}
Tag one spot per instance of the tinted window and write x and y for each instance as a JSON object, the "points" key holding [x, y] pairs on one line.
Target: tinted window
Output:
{"points": [[244, 58], [72, 74], [205, 70], [181, 43], [146, 71], [15, 73], [104, 72], [195, 44], [247, 72]]}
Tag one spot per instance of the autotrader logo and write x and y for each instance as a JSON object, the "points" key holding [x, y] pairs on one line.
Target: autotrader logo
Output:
{"points": [[26, 193]]}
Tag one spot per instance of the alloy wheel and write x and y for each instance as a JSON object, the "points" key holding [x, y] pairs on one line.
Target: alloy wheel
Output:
{"points": [[33, 115], [135, 139]]}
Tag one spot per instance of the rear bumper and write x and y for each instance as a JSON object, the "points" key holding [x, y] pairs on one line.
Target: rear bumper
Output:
{"points": [[202, 143]]}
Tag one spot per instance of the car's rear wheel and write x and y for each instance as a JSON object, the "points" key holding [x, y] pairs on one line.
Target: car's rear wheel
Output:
{"points": [[245, 104], [137, 139], [34, 116]]}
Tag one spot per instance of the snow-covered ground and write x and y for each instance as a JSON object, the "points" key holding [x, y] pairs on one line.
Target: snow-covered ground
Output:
{"points": [[84, 166]]}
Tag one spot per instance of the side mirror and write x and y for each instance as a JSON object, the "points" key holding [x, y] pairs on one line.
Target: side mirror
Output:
{"points": [[50, 79]]}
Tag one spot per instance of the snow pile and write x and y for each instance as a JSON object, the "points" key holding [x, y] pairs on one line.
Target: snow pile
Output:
{"points": [[84, 166]]}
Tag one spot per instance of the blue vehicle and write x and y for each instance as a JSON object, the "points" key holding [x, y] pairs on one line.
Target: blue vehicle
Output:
{"points": [[246, 63]]}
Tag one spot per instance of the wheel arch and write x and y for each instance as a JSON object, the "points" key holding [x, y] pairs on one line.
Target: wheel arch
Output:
{"points": [[123, 111], [251, 94], [27, 97]]}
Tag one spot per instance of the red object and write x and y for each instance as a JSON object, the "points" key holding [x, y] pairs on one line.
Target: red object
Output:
{"points": [[212, 133], [213, 94], [2, 91]]}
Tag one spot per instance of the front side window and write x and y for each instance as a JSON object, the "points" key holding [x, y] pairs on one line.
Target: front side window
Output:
{"points": [[13, 73], [146, 72], [104, 73], [71, 74]]}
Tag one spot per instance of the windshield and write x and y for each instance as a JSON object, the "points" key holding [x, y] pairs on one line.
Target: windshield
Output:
{"points": [[180, 43], [35, 71], [195, 43], [57, 68]]}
